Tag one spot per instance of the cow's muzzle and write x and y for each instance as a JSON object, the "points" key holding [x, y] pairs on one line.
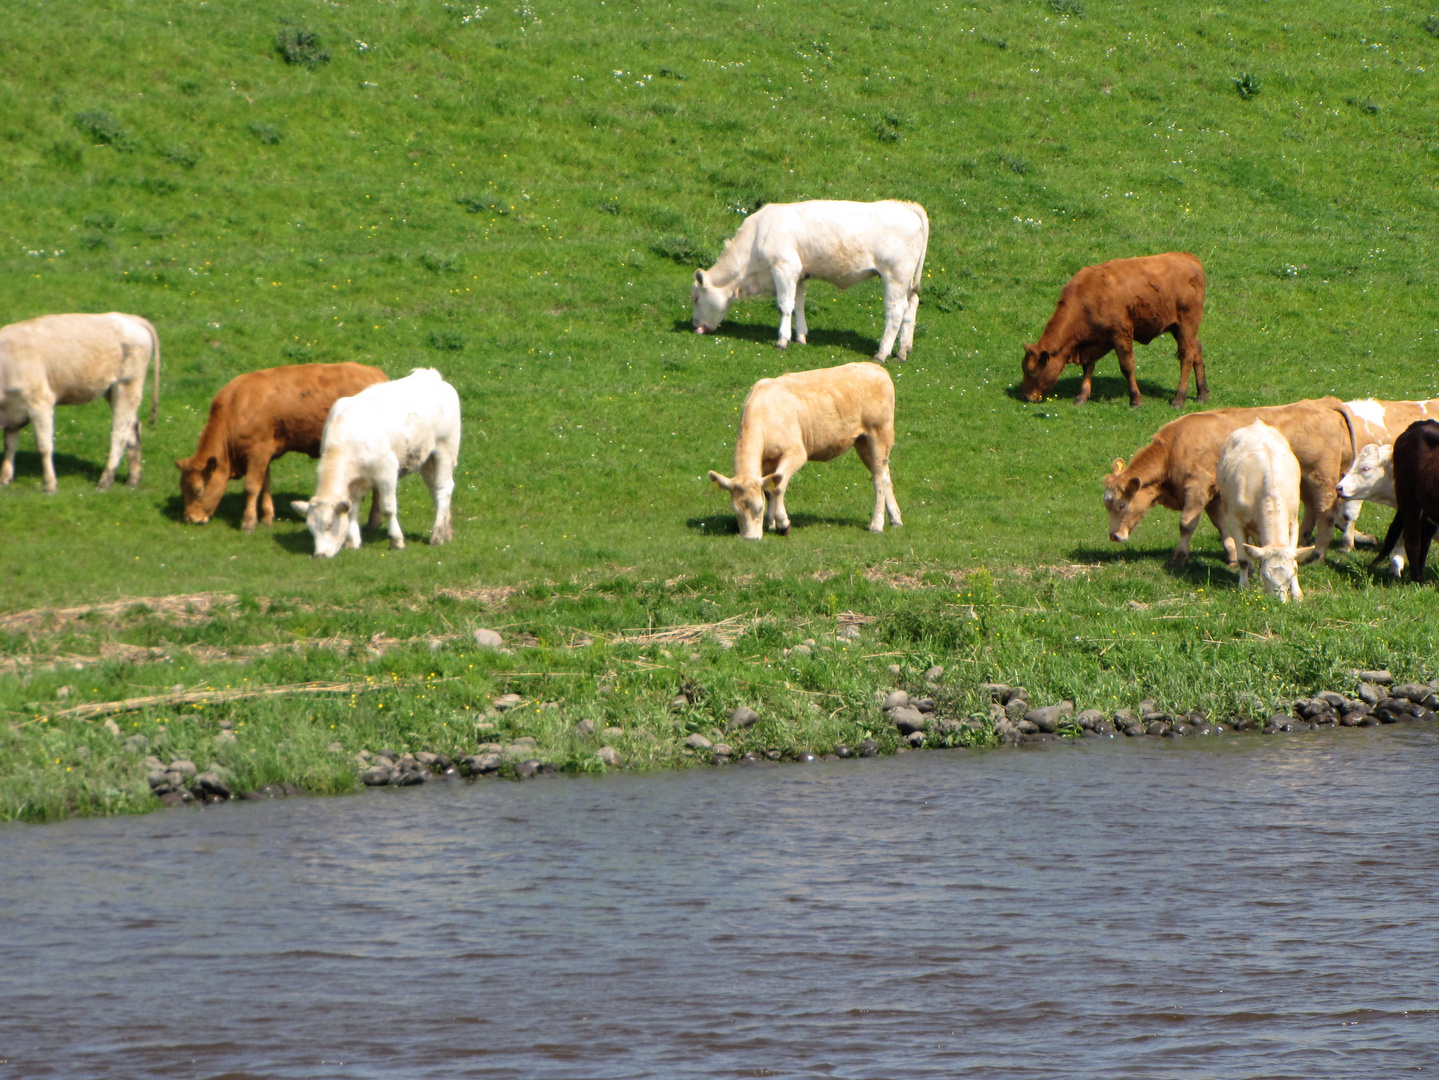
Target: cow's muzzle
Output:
{"points": [[1119, 536], [701, 329]]}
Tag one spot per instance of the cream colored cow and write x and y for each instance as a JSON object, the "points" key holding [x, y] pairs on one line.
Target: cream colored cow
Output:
{"points": [[810, 416], [1258, 478], [69, 360]]}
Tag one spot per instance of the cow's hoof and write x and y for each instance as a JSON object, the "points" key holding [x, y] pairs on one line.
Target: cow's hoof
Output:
{"points": [[782, 532], [397, 545], [801, 340], [440, 538], [781, 344], [1177, 403], [1178, 560], [247, 526], [104, 484]]}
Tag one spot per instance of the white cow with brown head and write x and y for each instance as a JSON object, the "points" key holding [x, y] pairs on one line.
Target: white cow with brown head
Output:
{"points": [[810, 416], [782, 245]]}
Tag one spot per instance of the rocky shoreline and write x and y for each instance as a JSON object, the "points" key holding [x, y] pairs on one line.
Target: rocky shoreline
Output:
{"points": [[917, 721]]}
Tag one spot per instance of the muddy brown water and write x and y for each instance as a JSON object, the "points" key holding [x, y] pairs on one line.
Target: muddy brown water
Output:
{"points": [[1254, 907]]}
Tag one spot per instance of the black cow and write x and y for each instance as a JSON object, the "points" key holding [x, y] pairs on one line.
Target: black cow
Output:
{"points": [[1416, 494]]}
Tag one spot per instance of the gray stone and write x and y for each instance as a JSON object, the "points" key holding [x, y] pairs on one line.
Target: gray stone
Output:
{"points": [[1046, 719], [924, 704], [895, 669], [136, 743], [1158, 727], [223, 738], [934, 674], [112, 727], [1123, 718], [335, 748], [679, 702], [375, 776], [996, 712], [62, 693], [1016, 693], [998, 691], [697, 742], [488, 639], [1329, 697], [184, 768], [1180, 729], [896, 699], [211, 784], [525, 769], [908, 719], [506, 702], [1148, 705], [1015, 709], [742, 717], [159, 781], [843, 752], [480, 764], [427, 759], [803, 650], [585, 727], [1353, 719], [152, 763], [916, 739], [1027, 727], [1370, 694], [849, 633], [869, 748], [610, 757], [1380, 677], [1090, 719], [723, 749], [1410, 692]]}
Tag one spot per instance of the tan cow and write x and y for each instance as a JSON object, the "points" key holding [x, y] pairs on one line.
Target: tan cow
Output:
{"points": [[1177, 469], [70, 360], [256, 418], [810, 416], [1113, 305]]}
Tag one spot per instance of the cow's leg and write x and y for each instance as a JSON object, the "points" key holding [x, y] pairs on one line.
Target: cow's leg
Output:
{"points": [[906, 330], [1124, 350], [376, 518], [389, 506], [267, 501], [1188, 355], [873, 449], [43, 418], [789, 463], [1349, 510], [1418, 533], [442, 487], [1231, 548], [125, 400], [257, 483], [896, 301], [801, 328], [12, 443], [1196, 501], [786, 281], [1086, 385]]}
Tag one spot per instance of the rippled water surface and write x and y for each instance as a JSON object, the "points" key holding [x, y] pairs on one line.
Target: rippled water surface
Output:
{"points": [[1260, 908]]}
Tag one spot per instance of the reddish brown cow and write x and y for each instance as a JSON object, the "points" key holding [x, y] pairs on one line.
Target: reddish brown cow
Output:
{"points": [[256, 418], [1113, 305], [1178, 469]]}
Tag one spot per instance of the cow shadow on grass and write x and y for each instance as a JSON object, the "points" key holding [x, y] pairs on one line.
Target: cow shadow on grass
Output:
{"points": [[767, 333], [1106, 389], [67, 467], [725, 524], [1201, 568]]}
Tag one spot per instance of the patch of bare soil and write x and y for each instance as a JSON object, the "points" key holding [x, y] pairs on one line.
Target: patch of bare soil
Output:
{"points": [[186, 609]]}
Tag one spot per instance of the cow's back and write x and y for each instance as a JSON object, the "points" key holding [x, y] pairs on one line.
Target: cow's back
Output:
{"points": [[1416, 470], [841, 241], [826, 409], [403, 420], [287, 406], [77, 356]]}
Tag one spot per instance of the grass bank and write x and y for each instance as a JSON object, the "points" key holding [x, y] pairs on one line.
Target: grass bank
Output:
{"points": [[519, 198]]}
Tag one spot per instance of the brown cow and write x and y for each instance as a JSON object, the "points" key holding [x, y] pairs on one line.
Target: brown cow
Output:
{"points": [[256, 418], [1177, 469], [1113, 305]]}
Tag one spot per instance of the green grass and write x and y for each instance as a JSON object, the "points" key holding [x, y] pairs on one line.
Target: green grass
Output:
{"points": [[501, 198]]}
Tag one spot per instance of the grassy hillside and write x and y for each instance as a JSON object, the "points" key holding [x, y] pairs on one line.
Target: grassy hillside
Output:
{"points": [[519, 196]]}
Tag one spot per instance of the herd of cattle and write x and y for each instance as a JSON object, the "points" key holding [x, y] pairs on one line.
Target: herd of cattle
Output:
{"points": [[1248, 469]]}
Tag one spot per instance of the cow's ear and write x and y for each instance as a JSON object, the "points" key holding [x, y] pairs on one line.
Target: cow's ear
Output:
{"points": [[1254, 553], [700, 278], [770, 482], [182, 463], [212, 464], [721, 481], [1131, 489], [1303, 553], [342, 508], [301, 508], [1044, 358], [1118, 466]]}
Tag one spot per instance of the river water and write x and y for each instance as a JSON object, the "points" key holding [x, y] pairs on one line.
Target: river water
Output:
{"points": [[1138, 908]]}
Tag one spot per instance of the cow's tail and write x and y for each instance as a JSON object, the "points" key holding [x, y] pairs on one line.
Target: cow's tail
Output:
{"points": [[155, 348], [919, 266]]}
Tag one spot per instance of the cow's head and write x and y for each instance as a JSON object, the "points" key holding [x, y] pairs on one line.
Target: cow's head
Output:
{"points": [[202, 485], [747, 496], [1127, 499], [328, 522], [1040, 372], [1371, 476], [1279, 568], [710, 301]]}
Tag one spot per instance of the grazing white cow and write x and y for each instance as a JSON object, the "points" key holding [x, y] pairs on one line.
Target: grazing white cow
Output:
{"points": [[384, 432], [69, 360], [1258, 479], [1371, 479], [781, 245], [810, 416]]}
